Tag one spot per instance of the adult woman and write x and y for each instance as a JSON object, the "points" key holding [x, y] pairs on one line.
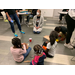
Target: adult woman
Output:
{"points": [[70, 19], [38, 22], [12, 15]]}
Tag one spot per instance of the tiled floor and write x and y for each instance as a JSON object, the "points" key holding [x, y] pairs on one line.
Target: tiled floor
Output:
{"points": [[62, 57]]}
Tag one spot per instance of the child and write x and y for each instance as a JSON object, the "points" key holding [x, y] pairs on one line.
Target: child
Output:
{"points": [[18, 50], [62, 32], [39, 56], [49, 48]]}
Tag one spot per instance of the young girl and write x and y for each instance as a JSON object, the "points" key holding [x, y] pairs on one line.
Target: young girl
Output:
{"points": [[49, 48], [18, 50], [39, 56]]}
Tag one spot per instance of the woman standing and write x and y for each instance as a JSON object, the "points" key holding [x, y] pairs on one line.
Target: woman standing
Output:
{"points": [[12, 15], [70, 19]]}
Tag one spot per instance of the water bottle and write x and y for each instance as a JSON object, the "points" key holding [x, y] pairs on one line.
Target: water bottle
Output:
{"points": [[11, 21]]}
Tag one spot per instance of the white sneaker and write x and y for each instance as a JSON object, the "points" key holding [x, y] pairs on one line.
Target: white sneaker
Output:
{"points": [[68, 45], [30, 23]]}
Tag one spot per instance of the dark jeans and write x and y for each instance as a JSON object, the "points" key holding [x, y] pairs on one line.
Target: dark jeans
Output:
{"points": [[28, 17], [70, 28], [14, 17]]}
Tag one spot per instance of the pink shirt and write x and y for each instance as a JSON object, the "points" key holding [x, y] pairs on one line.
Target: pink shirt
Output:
{"points": [[18, 53]]}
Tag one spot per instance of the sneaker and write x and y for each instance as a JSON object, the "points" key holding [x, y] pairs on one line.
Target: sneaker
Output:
{"points": [[22, 32], [68, 45], [29, 23], [15, 35], [6, 20]]}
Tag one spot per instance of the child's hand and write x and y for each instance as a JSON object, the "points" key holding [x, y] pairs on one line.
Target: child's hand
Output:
{"points": [[46, 41], [23, 43]]}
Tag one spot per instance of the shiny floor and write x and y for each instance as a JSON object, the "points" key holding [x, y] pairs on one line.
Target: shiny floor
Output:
{"points": [[63, 55]]}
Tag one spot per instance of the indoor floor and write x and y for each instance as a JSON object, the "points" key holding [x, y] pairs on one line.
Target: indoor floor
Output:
{"points": [[63, 55]]}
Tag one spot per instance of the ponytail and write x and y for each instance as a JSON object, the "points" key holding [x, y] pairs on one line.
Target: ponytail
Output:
{"points": [[52, 40], [53, 36]]}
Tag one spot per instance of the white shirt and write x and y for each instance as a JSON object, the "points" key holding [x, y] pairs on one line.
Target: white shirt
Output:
{"points": [[51, 48], [71, 13]]}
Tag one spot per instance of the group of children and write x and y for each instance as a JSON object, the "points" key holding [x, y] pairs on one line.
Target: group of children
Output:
{"points": [[21, 50]]}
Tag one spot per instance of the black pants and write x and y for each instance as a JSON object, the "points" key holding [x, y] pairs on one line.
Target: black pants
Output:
{"points": [[60, 17], [45, 44], [70, 28]]}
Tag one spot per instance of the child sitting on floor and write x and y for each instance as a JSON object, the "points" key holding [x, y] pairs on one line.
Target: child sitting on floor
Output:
{"points": [[19, 51], [39, 56], [49, 48], [62, 32]]}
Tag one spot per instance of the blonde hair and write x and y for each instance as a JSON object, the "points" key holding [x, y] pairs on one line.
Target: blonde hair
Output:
{"points": [[39, 10]]}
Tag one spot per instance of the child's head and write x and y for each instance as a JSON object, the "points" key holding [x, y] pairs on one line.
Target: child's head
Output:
{"points": [[57, 29], [53, 36], [16, 42], [38, 49]]}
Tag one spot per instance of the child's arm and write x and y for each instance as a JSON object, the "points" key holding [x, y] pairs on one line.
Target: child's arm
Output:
{"points": [[23, 51]]}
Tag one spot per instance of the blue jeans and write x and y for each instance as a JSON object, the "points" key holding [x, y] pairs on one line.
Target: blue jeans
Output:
{"points": [[26, 54], [36, 32], [14, 17]]}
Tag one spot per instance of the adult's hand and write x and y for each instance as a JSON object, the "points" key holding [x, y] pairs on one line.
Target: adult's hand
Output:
{"points": [[9, 18]]}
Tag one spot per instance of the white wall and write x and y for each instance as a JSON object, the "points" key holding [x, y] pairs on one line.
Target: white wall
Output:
{"points": [[47, 12], [56, 14]]}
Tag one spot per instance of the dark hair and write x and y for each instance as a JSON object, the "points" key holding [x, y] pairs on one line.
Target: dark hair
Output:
{"points": [[38, 49], [57, 29], [53, 36], [16, 42]]}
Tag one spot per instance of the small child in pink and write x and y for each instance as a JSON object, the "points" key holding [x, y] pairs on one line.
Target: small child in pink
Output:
{"points": [[39, 56]]}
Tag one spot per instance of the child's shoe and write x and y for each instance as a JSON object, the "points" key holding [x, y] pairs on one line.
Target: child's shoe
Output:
{"points": [[22, 32], [15, 35]]}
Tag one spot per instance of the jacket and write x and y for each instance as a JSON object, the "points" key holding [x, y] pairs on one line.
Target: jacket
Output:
{"points": [[40, 23]]}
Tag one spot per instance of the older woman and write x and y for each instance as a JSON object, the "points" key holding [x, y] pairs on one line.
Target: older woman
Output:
{"points": [[38, 22]]}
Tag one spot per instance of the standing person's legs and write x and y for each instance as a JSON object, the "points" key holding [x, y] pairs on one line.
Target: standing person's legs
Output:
{"points": [[18, 23], [70, 28], [60, 17], [12, 24]]}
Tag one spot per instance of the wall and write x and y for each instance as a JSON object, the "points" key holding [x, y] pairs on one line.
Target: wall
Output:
{"points": [[56, 14], [47, 12]]}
